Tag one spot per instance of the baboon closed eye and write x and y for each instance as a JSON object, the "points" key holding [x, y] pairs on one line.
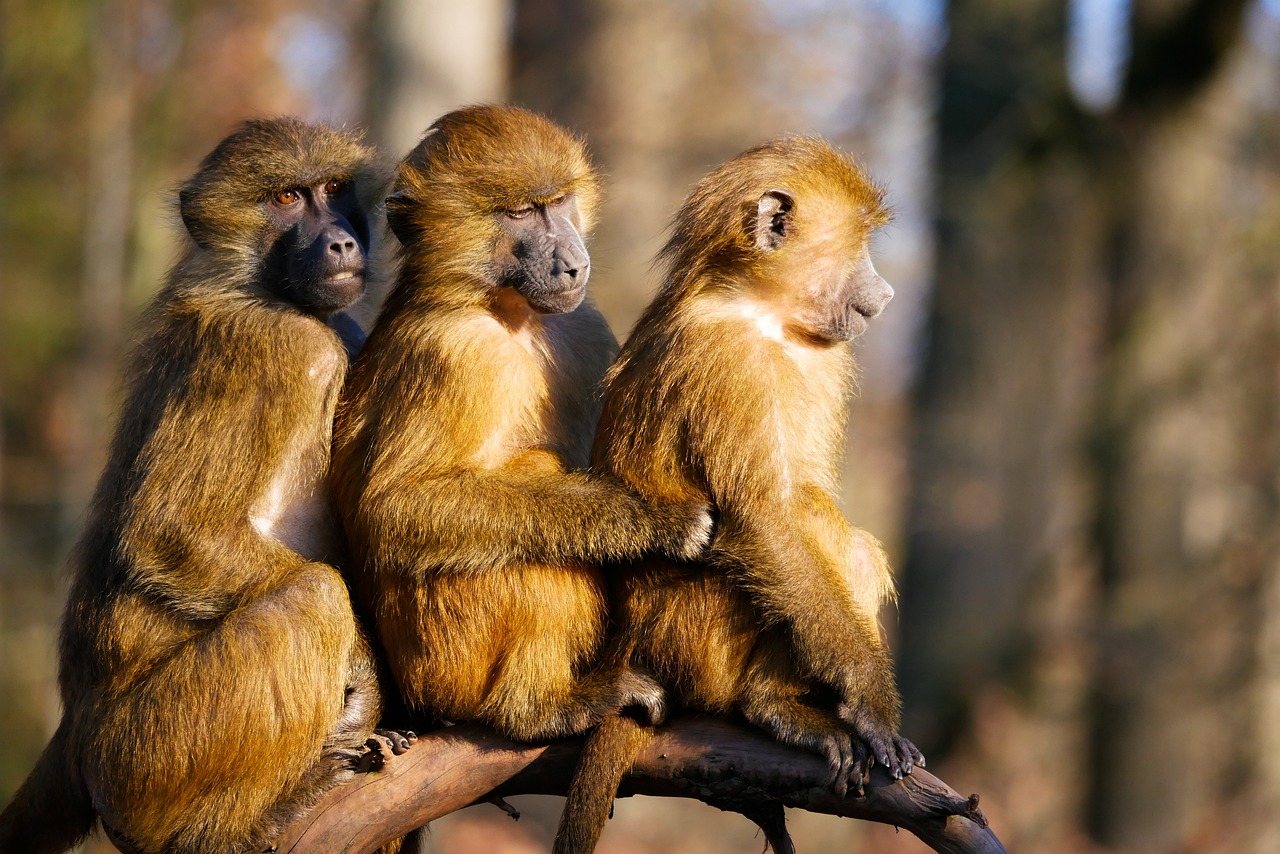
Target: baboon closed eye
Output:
{"points": [[475, 525], [541, 254]]}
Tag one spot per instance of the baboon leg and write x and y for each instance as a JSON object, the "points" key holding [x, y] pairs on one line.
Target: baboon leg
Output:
{"points": [[249, 702], [793, 722], [774, 699], [530, 702]]}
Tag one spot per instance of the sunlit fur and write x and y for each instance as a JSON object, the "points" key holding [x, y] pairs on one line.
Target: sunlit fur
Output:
{"points": [[221, 203], [461, 443], [725, 392], [205, 664], [471, 164]]}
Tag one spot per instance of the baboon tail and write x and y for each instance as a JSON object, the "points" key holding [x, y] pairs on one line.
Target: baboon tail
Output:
{"points": [[51, 812], [607, 755]]}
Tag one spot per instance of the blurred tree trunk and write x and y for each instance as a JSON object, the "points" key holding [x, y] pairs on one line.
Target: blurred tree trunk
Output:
{"points": [[663, 91], [1094, 469], [425, 58], [1186, 448], [428, 57], [108, 196]]}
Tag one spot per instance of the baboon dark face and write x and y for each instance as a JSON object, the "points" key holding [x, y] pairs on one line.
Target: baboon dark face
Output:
{"points": [[541, 254], [316, 256], [281, 203]]}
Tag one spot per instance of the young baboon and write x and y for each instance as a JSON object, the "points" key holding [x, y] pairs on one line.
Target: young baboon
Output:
{"points": [[464, 430], [213, 679], [733, 389]]}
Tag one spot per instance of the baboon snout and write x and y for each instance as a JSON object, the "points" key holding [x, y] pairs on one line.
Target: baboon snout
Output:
{"points": [[342, 247], [871, 293], [872, 301], [570, 261], [334, 250]]}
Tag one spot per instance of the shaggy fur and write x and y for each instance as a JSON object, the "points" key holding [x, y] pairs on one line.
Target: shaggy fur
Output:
{"points": [[733, 388], [461, 442], [213, 678]]}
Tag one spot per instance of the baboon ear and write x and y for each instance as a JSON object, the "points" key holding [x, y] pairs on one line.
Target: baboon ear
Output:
{"points": [[773, 219], [187, 206], [399, 205]]}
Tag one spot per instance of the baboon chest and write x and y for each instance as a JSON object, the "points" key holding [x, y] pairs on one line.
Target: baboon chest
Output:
{"points": [[294, 509]]}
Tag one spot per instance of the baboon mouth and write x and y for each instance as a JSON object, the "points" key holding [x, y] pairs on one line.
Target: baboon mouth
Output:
{"points": [[346, 274], [557, 300]]}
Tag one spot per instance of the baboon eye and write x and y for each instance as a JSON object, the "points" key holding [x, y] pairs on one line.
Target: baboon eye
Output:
{"points": [[288, 197], [334, 187], [558, 200], [520, 212]]}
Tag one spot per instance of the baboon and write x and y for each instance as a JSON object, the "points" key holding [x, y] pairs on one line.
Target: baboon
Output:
{"points": [[213, 679], [464, 431], [733, 388]]}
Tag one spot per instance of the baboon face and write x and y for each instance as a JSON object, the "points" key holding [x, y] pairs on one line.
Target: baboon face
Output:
{"points": [[497, 202], [542, 256], [282, 202], [821, 249], [315, 254]]}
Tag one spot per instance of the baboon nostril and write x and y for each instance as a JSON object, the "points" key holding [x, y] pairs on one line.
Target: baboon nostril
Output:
{"points": [[559, 267]]}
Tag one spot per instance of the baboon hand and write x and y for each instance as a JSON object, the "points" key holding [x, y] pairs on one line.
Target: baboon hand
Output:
{"points": [[691, 527], [641, 692], [841, 753], [883, 744], [377, 750], [400, 740], [374, 756]]}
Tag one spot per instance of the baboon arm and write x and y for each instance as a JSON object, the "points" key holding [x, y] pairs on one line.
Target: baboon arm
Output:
{"points": [[779, 532], [472, 521], [185, 531], [796, 582], [199, 574], [856, 554]]}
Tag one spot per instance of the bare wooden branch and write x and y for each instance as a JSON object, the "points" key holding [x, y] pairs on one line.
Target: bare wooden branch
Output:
{"points": [[727, 766]]}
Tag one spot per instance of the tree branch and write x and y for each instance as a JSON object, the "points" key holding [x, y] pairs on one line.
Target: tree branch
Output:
{"points": [[727, 766]]}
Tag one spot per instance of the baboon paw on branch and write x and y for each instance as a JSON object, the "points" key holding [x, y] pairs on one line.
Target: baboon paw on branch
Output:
{"points": [[727, 766]]}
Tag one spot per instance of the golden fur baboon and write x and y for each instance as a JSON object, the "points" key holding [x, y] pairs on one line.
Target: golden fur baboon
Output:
{"points": [[464, 430], [733, 388], [213, 679]]}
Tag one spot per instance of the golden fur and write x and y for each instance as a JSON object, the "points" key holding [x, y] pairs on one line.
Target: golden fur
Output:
{"points": [[733, 388], [213, 678], [462, 442]]}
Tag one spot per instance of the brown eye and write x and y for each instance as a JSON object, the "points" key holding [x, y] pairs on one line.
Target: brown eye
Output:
{"points": [[334, 187], [288, 197], [558, 200], [520, 213]]}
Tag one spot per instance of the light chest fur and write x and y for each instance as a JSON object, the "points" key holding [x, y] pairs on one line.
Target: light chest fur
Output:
{"points": [[294, 509], [806, 430], [535, 403]]}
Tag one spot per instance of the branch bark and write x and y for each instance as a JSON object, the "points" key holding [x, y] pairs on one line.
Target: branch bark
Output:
{"points": [[727, 766]]}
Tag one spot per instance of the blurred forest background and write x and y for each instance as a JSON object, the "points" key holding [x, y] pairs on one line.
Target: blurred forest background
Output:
{"points": [[1069, 426]]}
